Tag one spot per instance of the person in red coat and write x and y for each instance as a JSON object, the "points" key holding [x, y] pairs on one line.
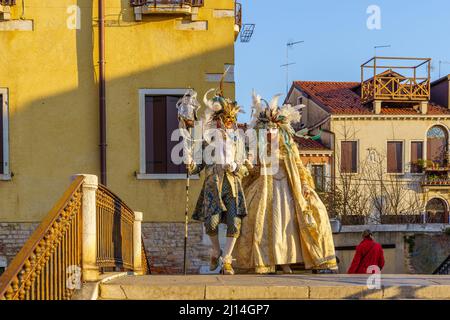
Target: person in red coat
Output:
{"points": [[368, 253]]}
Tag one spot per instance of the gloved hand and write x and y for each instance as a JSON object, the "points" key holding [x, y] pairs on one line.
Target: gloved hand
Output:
{"points": [[230, 167]]}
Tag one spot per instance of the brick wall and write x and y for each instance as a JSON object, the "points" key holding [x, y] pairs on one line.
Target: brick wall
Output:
{"points": [[164, 243], [13, 236]]}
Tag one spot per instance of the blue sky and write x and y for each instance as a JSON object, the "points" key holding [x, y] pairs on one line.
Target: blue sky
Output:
{"points": [[337, 40]]}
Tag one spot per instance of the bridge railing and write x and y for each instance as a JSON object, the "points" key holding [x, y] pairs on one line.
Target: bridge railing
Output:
{"points": [[444, 267], [88, 231]]}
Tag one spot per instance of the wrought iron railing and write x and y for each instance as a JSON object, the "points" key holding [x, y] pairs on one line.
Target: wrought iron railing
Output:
{"points": [[238, 14], [155, 3], [444, 268], [436, 182], [7, 2], [44, 266], [114, 231], [53, 262]]}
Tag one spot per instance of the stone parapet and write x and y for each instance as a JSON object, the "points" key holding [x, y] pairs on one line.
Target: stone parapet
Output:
{"points": [[244, 287]]}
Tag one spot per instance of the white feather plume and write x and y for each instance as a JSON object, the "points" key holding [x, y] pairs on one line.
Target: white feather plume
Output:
{"points": [[256, 109], [274, 102], [290, 113], [208, 103]]}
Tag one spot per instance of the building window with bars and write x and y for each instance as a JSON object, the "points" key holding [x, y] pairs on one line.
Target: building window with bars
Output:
{"points": [[349, 157], [395, 157], [318, 173], [159, 120]]}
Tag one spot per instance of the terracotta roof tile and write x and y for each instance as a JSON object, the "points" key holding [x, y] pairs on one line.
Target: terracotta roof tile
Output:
{"points": [[309, 144], [342, 98]]}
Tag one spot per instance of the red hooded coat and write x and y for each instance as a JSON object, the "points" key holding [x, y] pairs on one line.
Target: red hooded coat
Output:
{"points": [[368, 253]]}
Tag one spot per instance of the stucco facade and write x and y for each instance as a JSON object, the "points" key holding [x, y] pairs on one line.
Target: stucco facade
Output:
{"points": [[50, 73], [333, 110]]}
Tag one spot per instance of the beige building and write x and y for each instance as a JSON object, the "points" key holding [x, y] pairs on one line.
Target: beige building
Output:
{"points": [[389, 134]]}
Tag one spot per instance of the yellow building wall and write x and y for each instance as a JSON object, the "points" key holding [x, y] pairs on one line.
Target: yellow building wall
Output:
{"points": [[377, 131], [51, 73]]}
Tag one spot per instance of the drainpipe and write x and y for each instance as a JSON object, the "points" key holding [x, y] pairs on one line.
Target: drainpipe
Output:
{"points": [[102, 90]]}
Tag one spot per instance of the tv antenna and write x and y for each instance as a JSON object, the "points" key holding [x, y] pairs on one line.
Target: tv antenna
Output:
{"points": [[378, 47], [289, 46]]}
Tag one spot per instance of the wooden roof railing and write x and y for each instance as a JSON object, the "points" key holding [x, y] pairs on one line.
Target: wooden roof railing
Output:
{"points": [[406, 81]]}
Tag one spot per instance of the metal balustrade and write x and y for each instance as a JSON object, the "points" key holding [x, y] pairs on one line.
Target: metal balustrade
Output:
{"points": [[88, 231], [155, 3]]}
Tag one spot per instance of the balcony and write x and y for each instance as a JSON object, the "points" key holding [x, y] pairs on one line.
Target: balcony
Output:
{"points": [[395, 80], [5, 10], [237, 19], [436, 182], [166, 7]]}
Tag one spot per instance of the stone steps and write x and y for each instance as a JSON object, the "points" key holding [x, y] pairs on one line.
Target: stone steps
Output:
{"points": [[297, 286]]}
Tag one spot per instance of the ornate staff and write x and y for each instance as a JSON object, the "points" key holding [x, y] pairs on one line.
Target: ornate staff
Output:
{"points": [[187, 115]]}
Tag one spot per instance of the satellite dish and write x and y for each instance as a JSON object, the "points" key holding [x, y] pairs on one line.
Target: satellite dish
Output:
{"points": [[247, 32]]}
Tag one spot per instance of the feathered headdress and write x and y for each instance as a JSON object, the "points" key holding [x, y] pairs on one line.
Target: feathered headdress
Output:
{"points": [[273, 116], [220, 108]]}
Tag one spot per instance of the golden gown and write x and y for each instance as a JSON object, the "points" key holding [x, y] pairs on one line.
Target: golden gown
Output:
{"points": [[265, 241]]}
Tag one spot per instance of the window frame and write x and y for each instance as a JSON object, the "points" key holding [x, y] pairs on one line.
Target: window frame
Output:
{"points": [[324, 175], [403, 157], [6, 175], [426, 145], [142, 174], [357, 157], [410, 154]]}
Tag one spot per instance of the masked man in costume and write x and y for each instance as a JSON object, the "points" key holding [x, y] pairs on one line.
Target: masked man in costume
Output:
{"points": [[287, 223], [222, 198]]}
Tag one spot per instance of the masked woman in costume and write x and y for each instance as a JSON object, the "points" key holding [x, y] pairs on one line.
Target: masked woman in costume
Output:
{"points": [[287, 223], [222, 198]]}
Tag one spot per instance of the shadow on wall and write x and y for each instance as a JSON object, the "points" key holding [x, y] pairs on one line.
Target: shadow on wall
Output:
{"points": [[70, 121]]}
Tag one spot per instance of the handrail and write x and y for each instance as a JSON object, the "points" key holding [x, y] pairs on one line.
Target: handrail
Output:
{"points": [[114, 231], [53, 262], [192, 3], [39, 271], [444, 267], [397, 88]]}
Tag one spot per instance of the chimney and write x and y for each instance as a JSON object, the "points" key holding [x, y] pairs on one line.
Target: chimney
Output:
{"points": [[440, 91]]}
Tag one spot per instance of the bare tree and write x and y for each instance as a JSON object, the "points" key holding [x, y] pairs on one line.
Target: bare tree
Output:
{"points": [[395, 197], [371, 193]]}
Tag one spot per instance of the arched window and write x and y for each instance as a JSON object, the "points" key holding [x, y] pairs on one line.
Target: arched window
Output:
{"points": [[437, 144], [437, 211]]}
